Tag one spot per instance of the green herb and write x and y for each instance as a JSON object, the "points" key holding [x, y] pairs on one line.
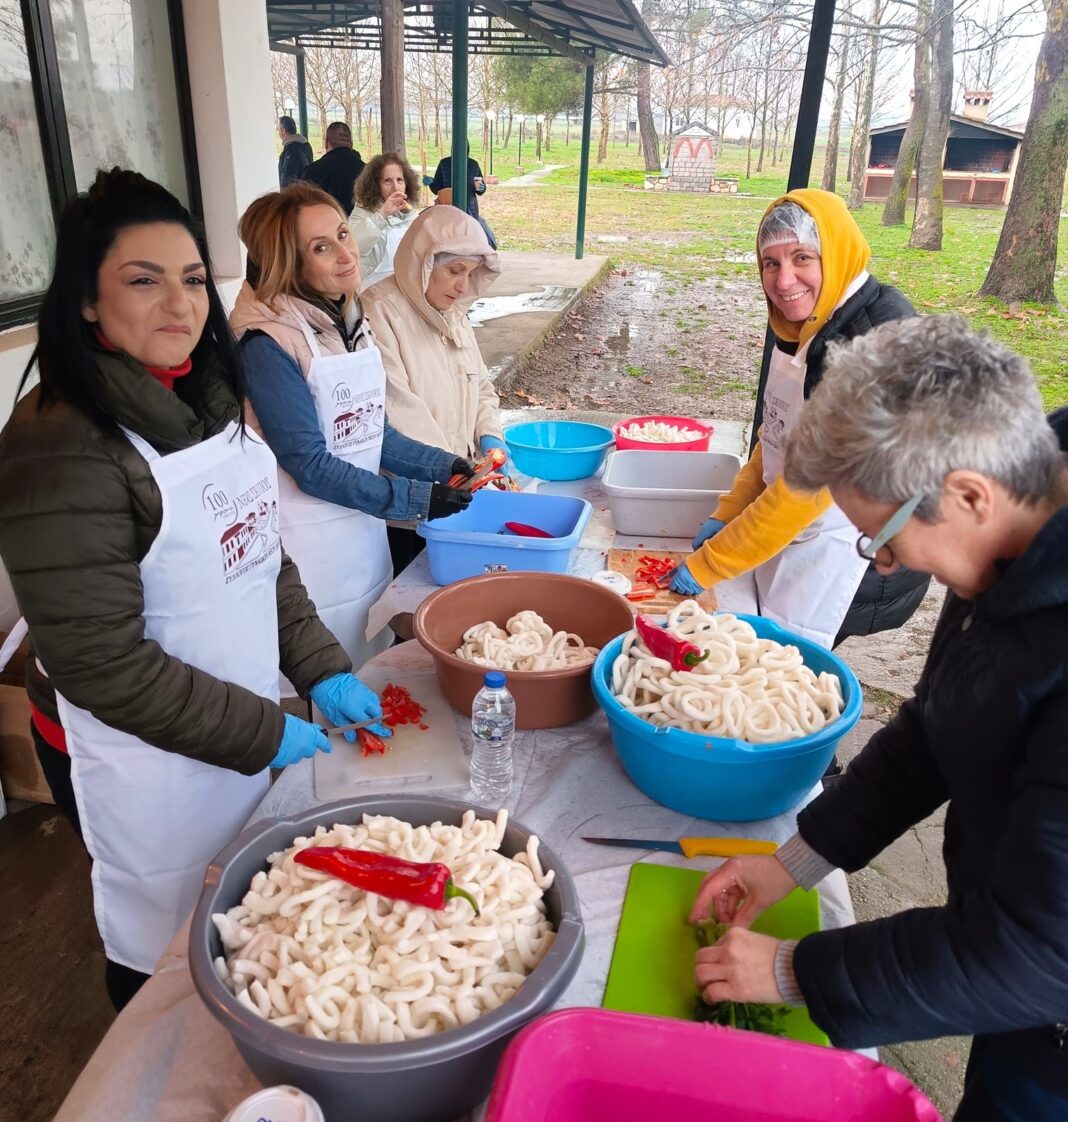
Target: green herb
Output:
{"points": [[770, 1019]]}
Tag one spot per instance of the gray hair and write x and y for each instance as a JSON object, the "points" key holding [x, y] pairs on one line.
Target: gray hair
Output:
{"points": [[446, 258], [901, 407]]}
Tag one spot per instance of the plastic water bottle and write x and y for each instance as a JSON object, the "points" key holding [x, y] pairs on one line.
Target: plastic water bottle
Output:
{"points": [[493, 727]]}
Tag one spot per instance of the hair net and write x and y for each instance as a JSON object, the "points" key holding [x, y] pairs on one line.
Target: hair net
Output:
{"points": [[446, 258], [786, 224]]}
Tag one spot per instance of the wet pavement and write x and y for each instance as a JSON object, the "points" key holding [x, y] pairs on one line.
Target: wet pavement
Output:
{"points": [[550, 298]]}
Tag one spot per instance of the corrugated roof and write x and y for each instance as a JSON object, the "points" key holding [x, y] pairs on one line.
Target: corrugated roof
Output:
{"points": [[584, 26]]}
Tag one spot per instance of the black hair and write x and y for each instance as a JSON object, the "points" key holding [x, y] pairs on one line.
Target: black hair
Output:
{"points": [[88, 227], [289, 126]]}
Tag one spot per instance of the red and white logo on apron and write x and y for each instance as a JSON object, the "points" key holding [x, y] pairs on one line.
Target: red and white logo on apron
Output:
{"points": [[359, 418], [251, 535]]}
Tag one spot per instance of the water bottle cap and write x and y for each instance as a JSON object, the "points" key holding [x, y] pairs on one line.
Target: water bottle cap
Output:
{"points": [[495, 680]]}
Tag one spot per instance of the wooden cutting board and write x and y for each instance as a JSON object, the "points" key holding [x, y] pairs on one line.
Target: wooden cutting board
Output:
{"points": [[416, 760], [627, 562], [653, 959]]}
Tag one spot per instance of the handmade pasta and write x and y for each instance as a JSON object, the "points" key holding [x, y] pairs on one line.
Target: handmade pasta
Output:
{"points": [[315, 955], [747, 688], [526, 642], [659, 432]]}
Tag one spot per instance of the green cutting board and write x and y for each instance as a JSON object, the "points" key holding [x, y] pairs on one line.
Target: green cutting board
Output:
{"points": [[653, 961]]}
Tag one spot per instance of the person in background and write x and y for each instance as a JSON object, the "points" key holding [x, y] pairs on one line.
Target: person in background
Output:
{"points": [[945, 463], [476, 188], [139, 527], [812, 260], [438, 388], [296, 155], [315, 376], [385, 196], [337, 169]]}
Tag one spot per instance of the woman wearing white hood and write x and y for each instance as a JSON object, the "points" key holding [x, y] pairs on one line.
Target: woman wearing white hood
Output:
{"points": [[438, 389]]}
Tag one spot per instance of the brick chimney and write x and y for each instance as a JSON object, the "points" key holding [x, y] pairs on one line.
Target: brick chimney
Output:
{"points": [[977, 104]]}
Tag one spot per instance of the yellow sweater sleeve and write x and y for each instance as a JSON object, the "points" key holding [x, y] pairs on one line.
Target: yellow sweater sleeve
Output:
{"points": [[748, 483], [763, 529]]}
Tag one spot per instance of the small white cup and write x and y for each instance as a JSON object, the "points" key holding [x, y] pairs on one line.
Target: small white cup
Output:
{"points": [[277, 1104]]}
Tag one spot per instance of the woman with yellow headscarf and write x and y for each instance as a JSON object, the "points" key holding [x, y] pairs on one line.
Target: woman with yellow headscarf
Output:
{"points": [[810, 576]]}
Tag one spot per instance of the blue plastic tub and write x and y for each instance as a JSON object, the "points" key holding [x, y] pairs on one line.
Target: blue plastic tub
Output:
{"points": [[558, 449], [475, 541], [718, 779]]}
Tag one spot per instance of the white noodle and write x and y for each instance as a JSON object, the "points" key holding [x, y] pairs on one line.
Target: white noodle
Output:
{"points": [[526, 642], [317, 956], [748, 688], [657, 432]]}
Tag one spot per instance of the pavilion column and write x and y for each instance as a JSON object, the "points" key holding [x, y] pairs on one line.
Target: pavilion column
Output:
{"points": [[391, 88], [584, 162], [459, 104]]}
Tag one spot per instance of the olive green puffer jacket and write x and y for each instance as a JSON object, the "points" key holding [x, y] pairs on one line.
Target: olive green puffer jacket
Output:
{"points": [[78, 511]]}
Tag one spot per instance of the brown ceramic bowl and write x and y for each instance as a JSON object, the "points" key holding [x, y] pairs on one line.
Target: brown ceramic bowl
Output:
{"points": [[544, 698]]}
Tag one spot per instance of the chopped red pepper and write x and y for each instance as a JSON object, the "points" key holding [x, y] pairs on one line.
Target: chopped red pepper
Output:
{"points": [[371, 743], [655, 570], [429, 885], [400, 708], [682, 654], [636, 595]]}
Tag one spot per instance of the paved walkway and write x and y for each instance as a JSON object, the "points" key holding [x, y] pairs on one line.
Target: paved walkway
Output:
{"points": [[532, 177]]}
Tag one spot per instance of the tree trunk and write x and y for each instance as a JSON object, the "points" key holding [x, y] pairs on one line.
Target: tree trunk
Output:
{"points": [[927, 224], [508, 130], [1026, 257], [860, 148], [602, 147], [749, 146], [392, 81], [763, 124], [646, 123], [834, 133], [567, 127], [901, 184]]}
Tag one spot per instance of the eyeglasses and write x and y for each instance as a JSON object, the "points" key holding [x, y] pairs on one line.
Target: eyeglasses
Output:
{"points": [[869, 548]]}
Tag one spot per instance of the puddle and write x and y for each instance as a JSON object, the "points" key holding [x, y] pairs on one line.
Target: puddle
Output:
{"points": [[620, 342], [552, 298], [614, 239], [740, 257]]}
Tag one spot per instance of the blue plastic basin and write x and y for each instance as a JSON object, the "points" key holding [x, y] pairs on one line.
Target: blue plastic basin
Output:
{"points": [[558, 449], [719, 779], [475, 541]]}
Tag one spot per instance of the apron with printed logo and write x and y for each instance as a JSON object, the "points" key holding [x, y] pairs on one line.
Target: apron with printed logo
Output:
{"points": [[153, 820], [342, 554], [808, 587]]}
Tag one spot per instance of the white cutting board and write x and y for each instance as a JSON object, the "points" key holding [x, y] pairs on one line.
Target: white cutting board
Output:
{"points": [[416, 760]]}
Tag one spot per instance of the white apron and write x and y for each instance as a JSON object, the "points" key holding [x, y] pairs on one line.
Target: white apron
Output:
{"points": [[152, 820], [808, 587], [342, 554], [395, 231]]}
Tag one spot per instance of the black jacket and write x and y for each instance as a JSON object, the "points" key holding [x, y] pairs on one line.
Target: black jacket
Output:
{"points": [[988, 731], [443, 178], [881, 602], [336, 173], [294, 158]]}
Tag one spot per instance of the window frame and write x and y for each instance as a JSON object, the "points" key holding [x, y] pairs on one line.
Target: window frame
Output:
{"points": [[55, 136]]}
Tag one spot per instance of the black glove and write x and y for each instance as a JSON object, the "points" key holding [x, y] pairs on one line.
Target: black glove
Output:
{"points": [[446, 500], [463, 467]]}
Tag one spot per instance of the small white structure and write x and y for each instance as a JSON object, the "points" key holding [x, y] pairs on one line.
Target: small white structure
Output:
{"points": [[692, 164]]}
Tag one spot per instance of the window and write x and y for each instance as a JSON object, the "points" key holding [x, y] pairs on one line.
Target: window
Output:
{"points": [[85, 84]]}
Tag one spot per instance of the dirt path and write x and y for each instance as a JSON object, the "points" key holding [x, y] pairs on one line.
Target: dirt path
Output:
{"points": [[646, 343]]}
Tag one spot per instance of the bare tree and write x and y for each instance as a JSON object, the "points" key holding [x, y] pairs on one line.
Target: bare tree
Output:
{"points": [[927, 224], [911, 142], [283, 81], [1025, 260], [834, 131], [859, 155], [318, 82]]}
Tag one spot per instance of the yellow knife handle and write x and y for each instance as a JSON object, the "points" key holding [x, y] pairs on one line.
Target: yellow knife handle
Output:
{"points": [[724, 847]]}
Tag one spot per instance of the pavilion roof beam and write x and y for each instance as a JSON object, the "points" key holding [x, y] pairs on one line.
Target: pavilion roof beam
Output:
{"points": [[518, 18]]}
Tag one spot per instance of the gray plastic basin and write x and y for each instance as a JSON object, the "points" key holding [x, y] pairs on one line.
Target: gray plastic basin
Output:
{"points": [[434, 1079]]}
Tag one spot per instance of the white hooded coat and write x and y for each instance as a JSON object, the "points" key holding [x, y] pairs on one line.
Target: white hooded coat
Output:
{"points": [[438, 389]]}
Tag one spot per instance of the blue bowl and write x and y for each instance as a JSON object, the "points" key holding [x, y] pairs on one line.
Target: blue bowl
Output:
{"points": [[719, 779], [558, 449]]}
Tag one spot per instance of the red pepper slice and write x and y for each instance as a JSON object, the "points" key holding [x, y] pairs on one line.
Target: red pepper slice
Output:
{"points": [[429, 885], [682, 654], [371, 744], [525, 531], [636, 595], [399, 707]]}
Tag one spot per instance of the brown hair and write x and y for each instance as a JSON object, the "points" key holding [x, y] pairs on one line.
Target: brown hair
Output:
{"points": [[269, 230], [368, 193]]}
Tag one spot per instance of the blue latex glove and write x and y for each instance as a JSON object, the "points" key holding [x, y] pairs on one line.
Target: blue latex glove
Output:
{"points": [[300, 739], [344, 699], [485, 443], [683, 582], [709, 529]]}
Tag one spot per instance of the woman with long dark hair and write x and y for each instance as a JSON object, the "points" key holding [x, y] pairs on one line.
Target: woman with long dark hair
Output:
{"points": [[140, 529]]}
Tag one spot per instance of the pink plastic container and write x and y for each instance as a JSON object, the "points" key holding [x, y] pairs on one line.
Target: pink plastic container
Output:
{"points": [[699, 445], [588, 1065]]}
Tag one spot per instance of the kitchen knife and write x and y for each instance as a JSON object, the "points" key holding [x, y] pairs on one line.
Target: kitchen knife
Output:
{"points": [[338, 729], [693, 847]]}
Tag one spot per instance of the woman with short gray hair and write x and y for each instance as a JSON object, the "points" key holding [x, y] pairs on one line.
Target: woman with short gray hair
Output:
{"points": [[946, 463]]}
